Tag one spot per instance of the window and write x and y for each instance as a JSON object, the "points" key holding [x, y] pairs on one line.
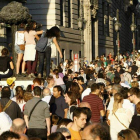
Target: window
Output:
{"points": [[103, 14], [63, 53], [108, 13], [79, 54], [69, 13], [71, 54], [61, 12], [78, 8]]}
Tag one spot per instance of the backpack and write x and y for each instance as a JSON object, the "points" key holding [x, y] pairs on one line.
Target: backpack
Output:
{"points": [[41, 45], [3, 64]]}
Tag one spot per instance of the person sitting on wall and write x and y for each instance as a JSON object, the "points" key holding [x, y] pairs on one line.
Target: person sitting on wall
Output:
{"points": [[6, 64]]}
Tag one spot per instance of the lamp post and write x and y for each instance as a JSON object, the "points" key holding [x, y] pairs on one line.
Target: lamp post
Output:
{"points": [[133, 27], [81, 23], [117, 29]]}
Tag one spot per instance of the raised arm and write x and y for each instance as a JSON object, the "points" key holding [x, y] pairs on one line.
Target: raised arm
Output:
{"points": [[39, 32]]}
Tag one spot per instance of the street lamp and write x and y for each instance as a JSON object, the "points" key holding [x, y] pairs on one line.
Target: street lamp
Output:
{"points": [[81, 23], [133, 28], [117, 29]]}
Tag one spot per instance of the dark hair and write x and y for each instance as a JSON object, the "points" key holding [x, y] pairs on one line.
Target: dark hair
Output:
{"points": [[124, 92], [134, 62], [55, 119], [29, 88], [9, 135], [6, 92], [100, 75], [19, 93], [64, 121], [56, 72], [117, 80], [5, 51], [72, 97], [75, 89], [135, 91], [34, 138], [30, 26], [65, 79], [53, 32], [94, 87], [42, 80], [37, 91], [56, 136], [58, 89], [78, 111], [101, 131], [88, 113], [81, 78]]}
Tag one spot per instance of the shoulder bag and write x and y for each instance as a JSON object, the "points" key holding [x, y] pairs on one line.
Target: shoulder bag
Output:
{"points": [[120, 121], [33, 110], [7, 105]]}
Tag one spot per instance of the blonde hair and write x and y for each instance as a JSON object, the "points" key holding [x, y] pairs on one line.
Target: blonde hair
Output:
{"points": [[127, 134], [117, 99]]}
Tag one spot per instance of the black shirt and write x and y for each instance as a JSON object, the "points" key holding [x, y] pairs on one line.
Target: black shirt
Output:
{"points": [[134, 69], [13, 110], [4, 63], [135, 123]]}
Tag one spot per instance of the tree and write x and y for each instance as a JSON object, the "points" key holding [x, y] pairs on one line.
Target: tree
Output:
{"points": [[14, 13]]}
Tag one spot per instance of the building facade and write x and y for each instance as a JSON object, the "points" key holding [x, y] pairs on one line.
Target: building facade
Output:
{"points": [[99, 35]]}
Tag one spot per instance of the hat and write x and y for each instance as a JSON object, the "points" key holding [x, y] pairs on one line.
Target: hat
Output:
{"points": [[11, 80]]}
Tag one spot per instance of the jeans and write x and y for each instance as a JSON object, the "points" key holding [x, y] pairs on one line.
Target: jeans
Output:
{"points": [[42, 56]]}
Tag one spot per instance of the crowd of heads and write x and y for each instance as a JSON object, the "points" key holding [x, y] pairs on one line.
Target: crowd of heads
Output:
{"points": [[105, 77]]}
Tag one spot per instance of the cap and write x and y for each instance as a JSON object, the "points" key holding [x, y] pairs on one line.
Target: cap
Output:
{"points": [[11, 80]]}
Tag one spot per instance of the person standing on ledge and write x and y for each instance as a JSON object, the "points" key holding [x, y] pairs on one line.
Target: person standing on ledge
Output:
{"points": [[53, 35]]}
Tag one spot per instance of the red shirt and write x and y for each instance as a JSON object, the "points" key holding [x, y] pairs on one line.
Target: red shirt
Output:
{"points": [[96, 106]]}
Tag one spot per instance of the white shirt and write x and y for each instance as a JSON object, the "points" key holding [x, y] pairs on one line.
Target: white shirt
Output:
{"points": [[21, 104], [85, 93], [125, 85], [47, 99], [126, 104], [124, 116], [5, 122]]}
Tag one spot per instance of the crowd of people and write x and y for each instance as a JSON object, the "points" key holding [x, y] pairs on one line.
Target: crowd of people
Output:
{"points": [[101, 101]]}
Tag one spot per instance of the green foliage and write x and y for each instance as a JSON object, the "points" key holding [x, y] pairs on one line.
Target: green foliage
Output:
{"points": [[14, 13]]}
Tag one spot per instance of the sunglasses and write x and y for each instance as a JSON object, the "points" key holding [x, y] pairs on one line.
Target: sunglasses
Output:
{"points": [[68, 137]]}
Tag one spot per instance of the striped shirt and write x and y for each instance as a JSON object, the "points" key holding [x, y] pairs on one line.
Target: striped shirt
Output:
{"points": [[96, 106]]}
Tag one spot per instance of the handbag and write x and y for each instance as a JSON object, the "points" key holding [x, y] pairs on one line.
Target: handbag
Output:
{"points": [[33, 110], [120, 121], [22, 47], [41, 45]]}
